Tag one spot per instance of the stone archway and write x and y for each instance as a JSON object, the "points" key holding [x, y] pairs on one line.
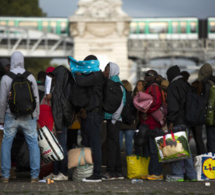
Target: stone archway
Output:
{"points": [[100, 27]]}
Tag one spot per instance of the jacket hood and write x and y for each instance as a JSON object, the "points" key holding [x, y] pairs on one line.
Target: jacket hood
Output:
{"points": [[173, 72], [17, 60], [114, 69], [205, 71]]}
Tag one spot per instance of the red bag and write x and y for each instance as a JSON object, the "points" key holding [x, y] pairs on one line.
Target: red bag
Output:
{"points": [[142, 101], [46, 117]]}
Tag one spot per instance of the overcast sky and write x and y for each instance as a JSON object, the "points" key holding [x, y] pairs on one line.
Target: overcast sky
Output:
{"points": [[140, 8]]}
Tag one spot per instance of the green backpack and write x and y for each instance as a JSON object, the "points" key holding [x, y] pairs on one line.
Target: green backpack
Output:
{"points": [[210, 114]]}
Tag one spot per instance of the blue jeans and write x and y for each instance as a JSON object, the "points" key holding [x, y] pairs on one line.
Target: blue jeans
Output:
{"points": [[61, 166], [210, 131], [91, 137], [187, 164], [178, 169], [129, 134], [29, 127]]}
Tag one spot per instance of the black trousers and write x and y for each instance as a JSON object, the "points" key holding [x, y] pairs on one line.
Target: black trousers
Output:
{"points": [[113, 148]]}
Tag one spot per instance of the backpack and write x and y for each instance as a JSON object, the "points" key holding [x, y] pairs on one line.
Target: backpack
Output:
{"points": [[129, 112], [195, 108], [21, 98], [112, 96], [210, 114]]}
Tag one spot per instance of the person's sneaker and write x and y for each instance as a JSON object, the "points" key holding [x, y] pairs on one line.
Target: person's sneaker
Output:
{"points": [[34, 180], [155, 177], [92, 178], [144, 176], [50, 176], [61, 177], [108, 176], [192, 180], [172, 178], [119, 176], [4, 180]]}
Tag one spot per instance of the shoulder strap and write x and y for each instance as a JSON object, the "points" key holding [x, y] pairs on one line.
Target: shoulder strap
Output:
{"points": [[11, 75], [26, 74]]}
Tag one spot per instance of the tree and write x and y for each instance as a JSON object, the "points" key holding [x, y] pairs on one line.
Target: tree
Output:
{"points": [[20, 8]]}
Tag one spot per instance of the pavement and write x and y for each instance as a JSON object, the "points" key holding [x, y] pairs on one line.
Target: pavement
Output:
{"points": [[22, 185]]}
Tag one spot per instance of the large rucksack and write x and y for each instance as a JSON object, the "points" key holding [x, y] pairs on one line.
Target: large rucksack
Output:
{"points": [[112, 96], [129, 111], [21, 98], [195, 109]]}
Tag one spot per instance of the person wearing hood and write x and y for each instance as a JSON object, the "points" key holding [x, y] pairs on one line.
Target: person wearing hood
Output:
{"points": [[11, 124], [176, 101], [92, 114], [114, 168], [5, 63], [155, 168], [207, 79]]}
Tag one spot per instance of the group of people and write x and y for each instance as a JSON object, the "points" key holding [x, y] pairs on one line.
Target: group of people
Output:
{"points": [[77, 93]]}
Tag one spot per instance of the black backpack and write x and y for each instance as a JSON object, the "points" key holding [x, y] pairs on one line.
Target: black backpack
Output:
{"points": [[195, 109], [112, 96], [21, 98], [129, 111]]}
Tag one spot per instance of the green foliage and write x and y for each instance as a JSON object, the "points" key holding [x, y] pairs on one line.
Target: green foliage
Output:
{"points": [[20, 8], [35, 65]]}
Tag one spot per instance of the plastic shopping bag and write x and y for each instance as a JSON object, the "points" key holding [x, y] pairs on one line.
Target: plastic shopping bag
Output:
{"points": [[172, 147], [205, 166], [137, 166]]}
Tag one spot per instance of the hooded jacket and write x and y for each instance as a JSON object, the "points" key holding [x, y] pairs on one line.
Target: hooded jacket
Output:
{"points": [[176, 96], [62, 109], [16, 66], [113, 75], [205, 76]]}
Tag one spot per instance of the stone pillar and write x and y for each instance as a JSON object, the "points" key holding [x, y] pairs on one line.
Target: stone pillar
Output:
{"points": [[100, 27]]}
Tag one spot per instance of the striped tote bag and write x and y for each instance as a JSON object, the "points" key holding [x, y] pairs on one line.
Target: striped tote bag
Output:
{"points": [[50, 148]]}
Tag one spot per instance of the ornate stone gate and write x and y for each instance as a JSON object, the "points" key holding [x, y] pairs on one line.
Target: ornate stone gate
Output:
{"points": [[100, 27]]}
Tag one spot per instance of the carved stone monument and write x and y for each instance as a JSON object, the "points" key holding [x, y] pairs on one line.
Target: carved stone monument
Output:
{"points": [[100, 27]]}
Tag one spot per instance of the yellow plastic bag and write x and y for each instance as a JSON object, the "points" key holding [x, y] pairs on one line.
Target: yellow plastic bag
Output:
{"points": [[137, 166]]}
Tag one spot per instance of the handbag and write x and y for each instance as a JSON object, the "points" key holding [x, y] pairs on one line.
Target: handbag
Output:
{"points": [[82, 171], [160, 114], [142, 101], [172, 146], [75, 154]]}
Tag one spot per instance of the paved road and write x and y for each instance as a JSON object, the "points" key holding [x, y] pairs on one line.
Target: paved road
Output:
{"points": [[23, 186]]}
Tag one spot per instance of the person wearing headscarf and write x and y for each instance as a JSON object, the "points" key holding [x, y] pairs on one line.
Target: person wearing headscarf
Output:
{"points": [[207, 80], [11, 123], [114, 121], [176, 101]]}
